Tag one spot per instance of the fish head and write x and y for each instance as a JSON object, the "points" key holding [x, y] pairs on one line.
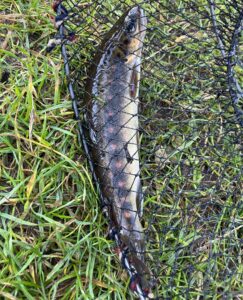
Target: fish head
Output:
{"points": [[134, 28], [127, 46], [130, 38]]}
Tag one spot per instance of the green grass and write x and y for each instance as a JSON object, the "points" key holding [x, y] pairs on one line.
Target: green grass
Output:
{"points": [[52, 235], [53, 241]]}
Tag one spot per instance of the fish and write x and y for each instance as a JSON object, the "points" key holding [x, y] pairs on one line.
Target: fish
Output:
{"points": [[111, 94]]}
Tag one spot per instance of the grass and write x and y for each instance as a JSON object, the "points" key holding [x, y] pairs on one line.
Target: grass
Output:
{"points": [[53, 241]]}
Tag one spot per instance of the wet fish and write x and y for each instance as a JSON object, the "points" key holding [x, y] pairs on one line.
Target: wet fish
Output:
{"points": [[112, 116]]}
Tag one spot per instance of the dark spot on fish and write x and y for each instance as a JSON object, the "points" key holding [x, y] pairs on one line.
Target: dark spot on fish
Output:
{"points": [[127, 206], [123, 193], [125, 52], [102, 154], [126, 41], [131, 27], [118, 55], [107, 189]]}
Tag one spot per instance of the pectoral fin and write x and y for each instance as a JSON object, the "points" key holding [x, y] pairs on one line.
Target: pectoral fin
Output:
{"points": [[127, 153], [134, 83], [140, 199]]}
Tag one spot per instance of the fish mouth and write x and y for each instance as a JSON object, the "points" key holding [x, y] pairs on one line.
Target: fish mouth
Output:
{"points": [[135, 21]]}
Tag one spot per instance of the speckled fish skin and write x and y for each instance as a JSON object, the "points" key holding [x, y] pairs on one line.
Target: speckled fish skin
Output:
{"points": [[112, 115]]}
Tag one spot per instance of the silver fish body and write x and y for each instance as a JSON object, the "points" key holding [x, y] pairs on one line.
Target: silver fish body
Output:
{"points": [[112, 92]]}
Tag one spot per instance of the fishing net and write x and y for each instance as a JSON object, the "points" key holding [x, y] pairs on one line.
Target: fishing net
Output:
{"points": [[190, 121]]}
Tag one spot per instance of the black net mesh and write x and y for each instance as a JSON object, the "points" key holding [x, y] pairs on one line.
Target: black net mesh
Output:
{"points": [[175, 153]]}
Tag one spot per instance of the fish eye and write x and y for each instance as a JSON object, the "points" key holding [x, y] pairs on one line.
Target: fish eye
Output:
{"points": [[131, 26]]}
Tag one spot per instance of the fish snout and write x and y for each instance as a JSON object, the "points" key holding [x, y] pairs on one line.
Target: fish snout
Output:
{"points": [[136, 21]]}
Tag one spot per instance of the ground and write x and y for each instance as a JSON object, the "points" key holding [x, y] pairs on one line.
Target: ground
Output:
{"points": [[53, 236]]}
